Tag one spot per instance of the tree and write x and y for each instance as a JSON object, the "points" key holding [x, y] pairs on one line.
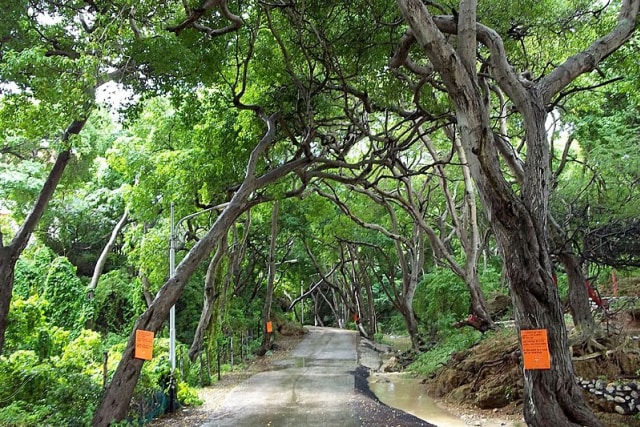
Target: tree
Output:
{"points": [[267, 337], [518, 220], [10, 253], [115, 402], [52, 69]]}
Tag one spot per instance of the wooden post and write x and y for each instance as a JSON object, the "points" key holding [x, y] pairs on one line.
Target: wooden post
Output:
{"points": [[201, 371], [219, 350], [105, 369]]}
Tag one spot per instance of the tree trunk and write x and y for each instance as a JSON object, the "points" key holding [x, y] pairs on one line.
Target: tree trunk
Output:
{"points": [[102, 260], [9, 254], [117, 397], [412, 325], [211, 295], [8, 259], [585, 325], [551, 397], [267, 337], [478, 304]]}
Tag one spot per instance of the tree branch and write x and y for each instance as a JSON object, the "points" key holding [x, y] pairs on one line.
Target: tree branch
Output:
{"points": [[588, 59]]}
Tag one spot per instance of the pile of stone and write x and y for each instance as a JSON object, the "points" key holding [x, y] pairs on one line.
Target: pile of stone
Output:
{"points": [[625, 396]]}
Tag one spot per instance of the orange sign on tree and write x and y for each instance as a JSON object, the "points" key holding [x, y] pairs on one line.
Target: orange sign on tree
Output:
{"points": [[144, 345], [535, 349], [269, 327]]}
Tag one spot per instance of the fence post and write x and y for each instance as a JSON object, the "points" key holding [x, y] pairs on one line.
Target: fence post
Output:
{"points": [[219, 350], [105, 369]]}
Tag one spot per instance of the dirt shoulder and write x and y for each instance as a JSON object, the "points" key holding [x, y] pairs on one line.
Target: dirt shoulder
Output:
{"points": [[487, 379]]}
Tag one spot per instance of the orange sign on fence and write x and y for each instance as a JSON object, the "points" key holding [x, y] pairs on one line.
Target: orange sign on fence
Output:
{"points": [[144, 345], [269, 327], [535, 349]]}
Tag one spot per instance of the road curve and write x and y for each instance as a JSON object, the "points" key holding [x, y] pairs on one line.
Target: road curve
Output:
{"points": [[314, 386]]}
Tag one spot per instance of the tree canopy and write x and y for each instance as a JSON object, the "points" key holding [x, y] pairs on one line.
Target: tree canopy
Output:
{"points": [[337, 156]]}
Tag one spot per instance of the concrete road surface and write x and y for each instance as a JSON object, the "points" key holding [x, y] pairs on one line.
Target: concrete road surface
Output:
{"points": [[312, 387]]}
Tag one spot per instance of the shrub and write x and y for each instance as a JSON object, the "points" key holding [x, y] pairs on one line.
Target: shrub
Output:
{"points": [[451, 341]]}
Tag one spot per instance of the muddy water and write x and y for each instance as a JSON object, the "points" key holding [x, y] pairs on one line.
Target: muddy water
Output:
{"points": [[410, 396]]}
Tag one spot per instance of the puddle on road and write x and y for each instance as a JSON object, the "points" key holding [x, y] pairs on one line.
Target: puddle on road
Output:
{"points": [[410, 396]]}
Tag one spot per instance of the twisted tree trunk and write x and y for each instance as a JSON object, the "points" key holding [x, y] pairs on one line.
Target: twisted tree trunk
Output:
{"points": [[551, 397]]}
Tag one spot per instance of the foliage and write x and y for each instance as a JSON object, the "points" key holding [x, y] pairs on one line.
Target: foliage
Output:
{"points": [[117, 302], [441, 299], [53, 281], [68, 304], [449, 341], [325, 80], [29, 330], [187, 395], [37, 391]]}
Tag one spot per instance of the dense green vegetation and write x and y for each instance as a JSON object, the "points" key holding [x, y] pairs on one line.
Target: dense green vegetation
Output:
{"points": [[319, 167]]}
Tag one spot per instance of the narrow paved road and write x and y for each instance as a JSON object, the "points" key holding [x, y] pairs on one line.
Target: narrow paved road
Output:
{"points": [[314, 386]]}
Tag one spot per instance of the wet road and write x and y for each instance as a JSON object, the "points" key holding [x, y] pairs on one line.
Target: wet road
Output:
{"points": [[312, 387]]}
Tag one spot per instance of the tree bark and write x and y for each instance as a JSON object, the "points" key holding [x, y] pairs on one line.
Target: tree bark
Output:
{"points": [[579, 305], [211, 295], [267, 337], [102, 260]]}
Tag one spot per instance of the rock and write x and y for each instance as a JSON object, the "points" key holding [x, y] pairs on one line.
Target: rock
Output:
{"points": [[621, 410], [498, 304], [492, 398], [619, 399], [390, 365], [461, 394]]}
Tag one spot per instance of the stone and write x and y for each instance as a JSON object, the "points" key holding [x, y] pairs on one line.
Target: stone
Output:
{"points": [[634, 394], [619, 399], [608, 397], [600, 385], [390, 365], [492, 398], [610, 388], [621, 410]]}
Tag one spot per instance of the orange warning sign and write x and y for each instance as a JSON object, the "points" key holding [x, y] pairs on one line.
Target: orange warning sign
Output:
{"points": [[269, 327], [535, 349], [144, 345]]}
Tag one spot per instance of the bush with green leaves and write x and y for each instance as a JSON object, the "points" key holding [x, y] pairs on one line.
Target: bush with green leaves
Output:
{"points": [[449, 341], [117, 303], [53, 279], [61, 390], [441, 299]]}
